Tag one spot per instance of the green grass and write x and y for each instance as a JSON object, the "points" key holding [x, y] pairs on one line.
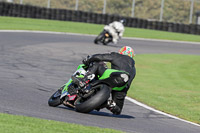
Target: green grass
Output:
{"points": [[21, 124], [12, 23], [169, 83], [155, 34]]}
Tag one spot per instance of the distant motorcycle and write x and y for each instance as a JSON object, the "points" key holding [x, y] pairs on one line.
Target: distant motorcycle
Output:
{"points": [[104, 37]]}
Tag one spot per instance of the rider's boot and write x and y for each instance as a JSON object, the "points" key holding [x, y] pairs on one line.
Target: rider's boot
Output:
{"points": [[112, 106]]}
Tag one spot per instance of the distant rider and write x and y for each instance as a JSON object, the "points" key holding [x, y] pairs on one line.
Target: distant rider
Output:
{"points": [[120, 61], [116, 29]]}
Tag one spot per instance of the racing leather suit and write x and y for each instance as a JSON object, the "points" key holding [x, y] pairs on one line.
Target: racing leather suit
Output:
{"points": [[119, 62], [116, 29]]}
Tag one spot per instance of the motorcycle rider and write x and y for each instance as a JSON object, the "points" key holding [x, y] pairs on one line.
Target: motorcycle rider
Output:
{"points": [[116, 29], [120, 61]]}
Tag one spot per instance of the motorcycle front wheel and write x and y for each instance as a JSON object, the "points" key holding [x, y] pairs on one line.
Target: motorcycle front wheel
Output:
{"points": [[99, 38], [54, 100]]}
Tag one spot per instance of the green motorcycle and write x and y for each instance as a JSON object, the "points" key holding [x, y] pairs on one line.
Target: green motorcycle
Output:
{"points": [[93, 95]]}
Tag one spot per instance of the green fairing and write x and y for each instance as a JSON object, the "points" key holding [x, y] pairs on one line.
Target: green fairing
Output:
{"points": [[80, 66], [107, 73], [66, 85]]}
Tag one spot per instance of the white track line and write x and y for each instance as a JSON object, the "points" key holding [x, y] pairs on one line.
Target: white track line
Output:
{"points": [[128, 98], [131, 38], [160, 112]]}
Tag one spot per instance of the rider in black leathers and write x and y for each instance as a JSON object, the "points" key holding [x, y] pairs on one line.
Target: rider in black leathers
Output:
{"points": [[120, 62]]}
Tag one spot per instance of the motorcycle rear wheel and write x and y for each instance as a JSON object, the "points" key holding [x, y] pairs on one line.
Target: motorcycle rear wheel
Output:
{"points": [[95, 101], [54, 100]]}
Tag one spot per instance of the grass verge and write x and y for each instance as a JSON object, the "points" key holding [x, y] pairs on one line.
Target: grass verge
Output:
{"points": [[11, 23], [170, 83], [21, 124]]}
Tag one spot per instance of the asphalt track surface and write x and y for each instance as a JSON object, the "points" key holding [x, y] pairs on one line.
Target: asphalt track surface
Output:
{"points": [[34, 65]]}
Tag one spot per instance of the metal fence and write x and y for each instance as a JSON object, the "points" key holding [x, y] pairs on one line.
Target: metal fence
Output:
{"points": [[177, 11]]}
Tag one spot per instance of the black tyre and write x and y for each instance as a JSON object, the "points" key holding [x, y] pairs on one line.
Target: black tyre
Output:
{"points": [[54, 100], [99, 38], [95, 101], [96, 40]]}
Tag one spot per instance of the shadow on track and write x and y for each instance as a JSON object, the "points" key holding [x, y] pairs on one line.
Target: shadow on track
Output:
{"points": [[99, 113], [111, 115]]}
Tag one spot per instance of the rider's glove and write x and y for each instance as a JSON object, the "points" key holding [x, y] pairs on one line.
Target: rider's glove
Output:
{"points": [[86, 61]]}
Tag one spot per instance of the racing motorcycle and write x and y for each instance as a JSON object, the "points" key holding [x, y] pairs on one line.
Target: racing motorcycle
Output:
{"points": [[92, 96], [104, 37]]}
